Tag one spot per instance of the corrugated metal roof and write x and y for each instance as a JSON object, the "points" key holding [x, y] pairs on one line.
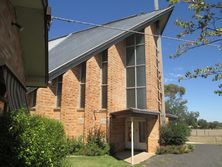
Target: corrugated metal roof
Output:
{"points": [[69, 51], [133, 112]]}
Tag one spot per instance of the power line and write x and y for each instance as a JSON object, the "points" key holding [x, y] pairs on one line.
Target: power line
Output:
{"points": [[125, 30]]}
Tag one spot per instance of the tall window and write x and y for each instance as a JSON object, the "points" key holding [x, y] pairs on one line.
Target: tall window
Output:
{"points": [[135, 71], [104, 70], [82, 84], [58, 91]]}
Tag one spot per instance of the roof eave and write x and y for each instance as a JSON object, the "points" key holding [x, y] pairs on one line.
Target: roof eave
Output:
{"points": [[32, 16]]}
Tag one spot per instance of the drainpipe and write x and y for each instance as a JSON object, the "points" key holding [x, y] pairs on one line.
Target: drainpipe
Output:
{"points": [[159, 52]]}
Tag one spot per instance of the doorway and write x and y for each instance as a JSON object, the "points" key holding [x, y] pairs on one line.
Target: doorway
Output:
{"points": [[139, 134]]}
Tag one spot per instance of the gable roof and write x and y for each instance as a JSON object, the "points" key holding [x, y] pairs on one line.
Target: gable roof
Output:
{"points": [[69, 51]]}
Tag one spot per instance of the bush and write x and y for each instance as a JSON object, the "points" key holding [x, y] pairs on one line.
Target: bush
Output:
{"points": [[31, 140], [75, 145], [173, 149], [95, 145], [175, 134]]}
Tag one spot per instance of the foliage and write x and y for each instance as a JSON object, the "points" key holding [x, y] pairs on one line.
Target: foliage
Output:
{"points": [[203, 124], [215, 125], [215, 71], [175, 149], [75, 145], [31, 140], [205, 22], [175, 134], [176, 105], [172, 90], [95, 145]]}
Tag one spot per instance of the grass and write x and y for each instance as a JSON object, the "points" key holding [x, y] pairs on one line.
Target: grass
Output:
{"points": [[95, 161]]}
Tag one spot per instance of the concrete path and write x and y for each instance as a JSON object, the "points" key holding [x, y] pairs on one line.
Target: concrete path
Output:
{"points": [[138, 157], [203, 156]]}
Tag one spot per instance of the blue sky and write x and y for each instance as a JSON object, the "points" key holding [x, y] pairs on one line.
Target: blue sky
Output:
{"points": [[199, 92]]}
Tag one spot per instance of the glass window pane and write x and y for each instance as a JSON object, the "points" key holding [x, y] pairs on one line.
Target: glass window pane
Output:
{"points": [[142, 130], [130, 56], [82, 96], [131, 98], [104, 73], [140, 55], [130, 40], [141, 98], [130, 77], [58, 91], [83, 72], [141, 76], [139, 38], [104, 96]]}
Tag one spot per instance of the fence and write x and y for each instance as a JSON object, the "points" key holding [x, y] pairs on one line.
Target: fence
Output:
{"points": [[206, 136]]}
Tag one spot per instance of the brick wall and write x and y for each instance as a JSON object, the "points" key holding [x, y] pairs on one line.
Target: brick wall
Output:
{"points": [[71, 117], [10, 49], [153, 133], [117, 93], [116, 77], [151, 70], [80, 121], [152, 91], [94, 116]]}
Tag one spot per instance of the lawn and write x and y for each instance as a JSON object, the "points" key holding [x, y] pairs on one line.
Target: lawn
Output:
{"points": [[94, 161]]}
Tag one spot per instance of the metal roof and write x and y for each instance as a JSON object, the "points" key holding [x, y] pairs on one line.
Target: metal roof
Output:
{"points": [[77, 47], [133, 112]]}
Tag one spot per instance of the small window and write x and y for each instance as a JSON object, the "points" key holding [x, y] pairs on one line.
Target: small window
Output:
{"points": [[58, 91], [82, 84], [104, 71]]}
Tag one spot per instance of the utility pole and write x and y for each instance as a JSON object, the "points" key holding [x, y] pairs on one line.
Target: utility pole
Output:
{"points": [[159, 53], [156, 4]]}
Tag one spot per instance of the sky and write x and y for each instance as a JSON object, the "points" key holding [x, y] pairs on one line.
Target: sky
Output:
{"points": [[199, 92]]}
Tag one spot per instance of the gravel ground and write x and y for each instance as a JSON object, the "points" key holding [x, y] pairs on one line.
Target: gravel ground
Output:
{"points": [[204, 155]]}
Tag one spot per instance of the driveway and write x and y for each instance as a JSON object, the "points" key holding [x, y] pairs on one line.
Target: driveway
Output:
{"points": [[204, 155]]}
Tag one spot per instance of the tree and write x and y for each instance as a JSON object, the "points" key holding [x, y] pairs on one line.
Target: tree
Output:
{"points": [[176, 105], [206, 23], [203, 124]]}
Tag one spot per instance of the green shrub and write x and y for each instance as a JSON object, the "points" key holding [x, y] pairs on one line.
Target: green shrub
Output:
{"points": [[75, 145], [175, 134], [175, 149], [95, 145], [32, 140]]}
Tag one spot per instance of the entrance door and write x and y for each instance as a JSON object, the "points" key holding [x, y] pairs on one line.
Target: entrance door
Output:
{"points": [[139, 134]]}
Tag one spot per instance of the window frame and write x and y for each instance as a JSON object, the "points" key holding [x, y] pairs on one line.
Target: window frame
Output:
{"points": [[104, 85], [58, 101], [82, 84], [135, 66]]}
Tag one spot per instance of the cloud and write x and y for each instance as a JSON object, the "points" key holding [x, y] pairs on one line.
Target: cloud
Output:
{"points": [[172, 77]]}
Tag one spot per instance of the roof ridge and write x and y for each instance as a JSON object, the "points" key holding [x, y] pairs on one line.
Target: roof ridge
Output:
{"points": [[110, 22]]}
